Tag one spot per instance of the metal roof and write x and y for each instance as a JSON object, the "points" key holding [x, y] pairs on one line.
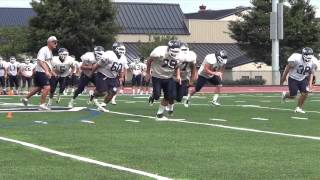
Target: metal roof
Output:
{"points": [[15, 16], [151, 18], [133, 18], [215, 14], [236, 56]]}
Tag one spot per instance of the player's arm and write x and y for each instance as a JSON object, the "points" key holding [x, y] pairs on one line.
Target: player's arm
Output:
{"points": [[207, 69], [148, 73], [5, 71], [86, 67], [285, 73], [194, 74]]}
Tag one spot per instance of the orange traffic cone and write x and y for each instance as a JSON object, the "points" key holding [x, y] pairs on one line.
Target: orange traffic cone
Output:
{"points": [[9, 115]]}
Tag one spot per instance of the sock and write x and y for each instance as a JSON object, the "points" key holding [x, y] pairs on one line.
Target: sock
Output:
{"points": [[161, 109], [114, 98], [170, 107], [215, 97], [133, 91], [138, 91], [189, 96]]}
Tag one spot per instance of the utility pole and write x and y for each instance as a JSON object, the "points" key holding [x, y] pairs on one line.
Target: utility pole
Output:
{"points": [[276, 33]]}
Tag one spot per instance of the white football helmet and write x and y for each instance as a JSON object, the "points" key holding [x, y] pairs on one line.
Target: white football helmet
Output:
{"points": [[222, 56], [119, 48], [98, 52], [174, 48], [307, 54], [63, 53], [12, 59]]}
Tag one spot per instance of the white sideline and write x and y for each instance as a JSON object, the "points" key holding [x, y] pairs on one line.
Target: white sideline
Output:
{"points": [[259, 118], [84, 159], [226, 127]]}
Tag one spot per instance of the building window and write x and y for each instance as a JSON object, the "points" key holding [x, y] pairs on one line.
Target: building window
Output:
{"points": [[258, 77], [244, 77]]}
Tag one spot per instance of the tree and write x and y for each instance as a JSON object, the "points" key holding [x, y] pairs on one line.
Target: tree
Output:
{"points": [[146, 48], [79, 25], [253, 31], [13, 41]]}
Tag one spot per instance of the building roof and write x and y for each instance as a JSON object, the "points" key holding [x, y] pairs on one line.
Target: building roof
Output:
{"points": [[215, 14], [236, 56], [133, 18], [15, 16], [151, 18]]}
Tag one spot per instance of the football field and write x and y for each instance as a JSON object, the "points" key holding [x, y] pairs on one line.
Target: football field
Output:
{"points": [[251, 136]]}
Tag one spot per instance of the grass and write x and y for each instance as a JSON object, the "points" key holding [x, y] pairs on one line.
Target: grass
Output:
{"points": [[172, 149]]}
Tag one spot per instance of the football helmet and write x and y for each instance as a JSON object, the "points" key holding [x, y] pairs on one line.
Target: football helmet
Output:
{"points": [[307, 54], [12, 59], [98, 52], [174, 48], [63, 53], [221, 56], [184, 47], [119, 48]]}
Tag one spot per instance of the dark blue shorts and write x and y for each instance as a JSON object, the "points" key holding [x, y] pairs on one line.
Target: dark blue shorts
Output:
{"points": [[136, 80], [181, 90], [14, 81], [2, 82], [295, 85], [215, 80], [40, 79], [166, 85], [105, 84]]}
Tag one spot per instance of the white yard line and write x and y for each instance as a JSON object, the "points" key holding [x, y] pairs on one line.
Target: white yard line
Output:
{"points": [[84, 159], [227, 127], [134, 121], [87, 121], [301, 118], [214, 119], [260, 119]]}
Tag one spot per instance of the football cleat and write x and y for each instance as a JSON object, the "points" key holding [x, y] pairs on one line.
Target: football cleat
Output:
{"points": [[44, 107], [186, 103], [161, 117], [24, 101], [49, 102], [215, 103], [299, 110], [71, 103], [99, 106]]}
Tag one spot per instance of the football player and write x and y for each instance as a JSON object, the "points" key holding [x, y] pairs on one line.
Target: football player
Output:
{"points": [[3, 75], [300, 68], [164, 62], [188, 72], [13, 69], [26, 71], [145, 84], [61, 67], [137, 67], [89, 59], [73, 79], [211, 70], [110, 72], [43, 72]]}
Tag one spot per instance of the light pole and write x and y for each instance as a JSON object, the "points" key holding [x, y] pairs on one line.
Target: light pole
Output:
{"points": [[276, 33]]}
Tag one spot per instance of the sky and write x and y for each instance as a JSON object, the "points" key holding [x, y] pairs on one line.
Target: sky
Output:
{"points": [[187, 6]]}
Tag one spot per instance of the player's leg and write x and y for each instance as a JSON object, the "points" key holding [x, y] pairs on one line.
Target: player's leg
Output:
{"points": [[29, 82], [2, 85], [200, 83], [133, 83], [156, 92], [170, 94], [53, 86], [303, 88], [16, 84], [24, 83], [84, 81], [217, 81], [138, 84], [62, 87], [101, 90]]}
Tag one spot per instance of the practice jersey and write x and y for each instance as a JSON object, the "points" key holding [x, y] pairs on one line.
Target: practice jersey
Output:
{"points": [[212, 61], [137, 68], [45, 55], [27, 69], [110, 65], [88, 59], [3, 67], [76, 65], [13, 68], [185, 66], [62, 69], [301, 69], [163, 65]]}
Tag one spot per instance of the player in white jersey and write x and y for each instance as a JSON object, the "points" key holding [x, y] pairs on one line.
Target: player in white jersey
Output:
{"points": [[300, 68], [13, 70], [137, 67], [43, 72], [3, 75], [61, 67], [145, 84], [89, 59], [26, 71], [164, 62], [211, 70], [188, 73], [110, 72], [73, 78]]}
